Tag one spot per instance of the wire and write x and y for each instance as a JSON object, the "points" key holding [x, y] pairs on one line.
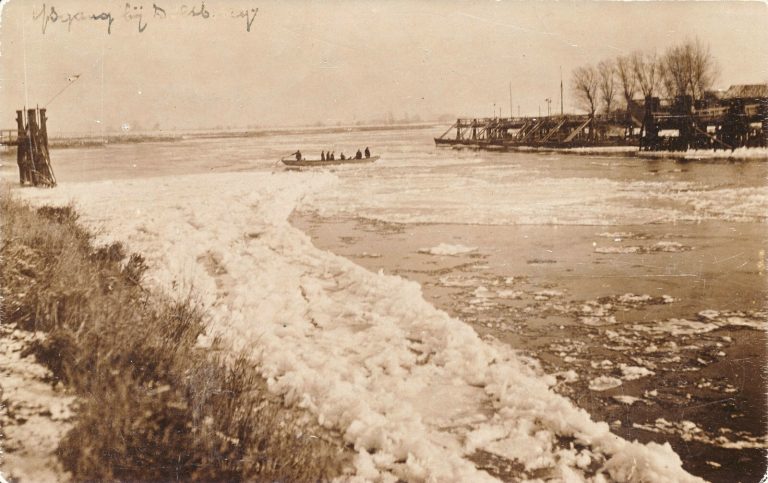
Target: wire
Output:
{"points": [[72, 80]]}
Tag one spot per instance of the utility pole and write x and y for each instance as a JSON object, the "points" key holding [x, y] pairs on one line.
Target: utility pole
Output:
{"points": [[561, 90], [101, 122], [511, 111]]}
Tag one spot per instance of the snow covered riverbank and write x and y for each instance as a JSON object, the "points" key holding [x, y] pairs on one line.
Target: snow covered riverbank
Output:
{"points": [[415, 391], [738, 154]]}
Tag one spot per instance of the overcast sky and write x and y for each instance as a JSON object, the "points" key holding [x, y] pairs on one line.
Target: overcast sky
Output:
{"points": [[337, 61]]}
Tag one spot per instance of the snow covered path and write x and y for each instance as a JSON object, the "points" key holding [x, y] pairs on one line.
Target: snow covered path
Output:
{"points": [[414, 390]]}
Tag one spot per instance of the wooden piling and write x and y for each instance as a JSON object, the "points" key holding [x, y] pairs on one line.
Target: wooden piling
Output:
{"points": [[32, 153], [23, 150]]}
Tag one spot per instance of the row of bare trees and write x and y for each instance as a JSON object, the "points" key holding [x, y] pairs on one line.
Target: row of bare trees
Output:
{"points": [[687, 69]]}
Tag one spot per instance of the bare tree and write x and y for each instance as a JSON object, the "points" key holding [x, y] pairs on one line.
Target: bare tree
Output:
{"points": [[674, 71], [688, 70], [703, 69], [626, 78], [645, 68], [607, 83], [585, 84], [668, 87]]}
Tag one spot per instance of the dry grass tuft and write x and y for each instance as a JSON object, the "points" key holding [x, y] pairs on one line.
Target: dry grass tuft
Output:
{"points": [[153, 405]]}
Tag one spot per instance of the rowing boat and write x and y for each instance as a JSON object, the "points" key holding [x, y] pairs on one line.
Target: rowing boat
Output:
{"points": [[293, 162]]}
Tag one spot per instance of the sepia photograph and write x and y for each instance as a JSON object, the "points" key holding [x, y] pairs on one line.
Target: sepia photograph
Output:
{"points": [[383, 241]]}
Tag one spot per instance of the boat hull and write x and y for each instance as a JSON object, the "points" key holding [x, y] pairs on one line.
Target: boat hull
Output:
{"points": [[308, 163]]}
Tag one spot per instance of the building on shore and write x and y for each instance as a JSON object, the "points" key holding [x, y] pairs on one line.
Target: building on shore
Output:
{"points": [[732, 119]]}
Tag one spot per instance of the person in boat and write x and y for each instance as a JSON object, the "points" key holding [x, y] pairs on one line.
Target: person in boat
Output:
{"points": [[342, 156], [358, 154], [322, 155], [298, 155], [367, 152]]}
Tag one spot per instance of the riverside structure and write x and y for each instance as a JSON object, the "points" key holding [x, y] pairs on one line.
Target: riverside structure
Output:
{"points": [[735, 118]]}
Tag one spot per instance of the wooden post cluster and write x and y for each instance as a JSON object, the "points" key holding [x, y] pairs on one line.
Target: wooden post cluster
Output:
{"points": [[32, 149]]}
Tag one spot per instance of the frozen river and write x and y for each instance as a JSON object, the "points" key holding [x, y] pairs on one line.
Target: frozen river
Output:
{"points": [[416, 182], [638, 284]]}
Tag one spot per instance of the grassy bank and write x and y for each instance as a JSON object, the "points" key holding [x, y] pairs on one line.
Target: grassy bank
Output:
{"points": [[153, 406]]}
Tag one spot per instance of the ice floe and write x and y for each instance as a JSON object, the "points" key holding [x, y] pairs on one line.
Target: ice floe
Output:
{"points": [[710, 320], [447, 249], [662, 246], [603, 383], [630, 373], [500, 197], [362, 351], [620, 235], [634, 299], [510, 294], [596, 321], [628, 400], [628, 249], [689, 431], [369, 255]]}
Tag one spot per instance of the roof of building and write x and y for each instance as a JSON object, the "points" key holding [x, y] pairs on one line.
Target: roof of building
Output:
{"points": [[746, 91]]}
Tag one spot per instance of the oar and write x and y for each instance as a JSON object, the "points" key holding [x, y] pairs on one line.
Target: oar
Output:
{"points": [[281, 158]]}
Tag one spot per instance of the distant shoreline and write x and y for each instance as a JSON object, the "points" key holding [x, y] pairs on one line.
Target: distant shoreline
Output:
{"points": [[77, 141]]}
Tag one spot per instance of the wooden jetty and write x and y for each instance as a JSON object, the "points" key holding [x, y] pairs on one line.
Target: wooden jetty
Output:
{"points": [[556, 131], [735, 118]]}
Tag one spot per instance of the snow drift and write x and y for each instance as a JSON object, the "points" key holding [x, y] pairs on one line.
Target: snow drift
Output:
{"points": [[414, 391], [735, 154]]}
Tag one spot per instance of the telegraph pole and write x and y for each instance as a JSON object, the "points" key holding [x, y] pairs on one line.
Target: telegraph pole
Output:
{"points": [[561, 90]]}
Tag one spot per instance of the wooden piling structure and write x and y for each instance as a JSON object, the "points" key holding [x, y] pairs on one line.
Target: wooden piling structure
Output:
{"points": [[555, 131], [32, 154], [735, 119]]}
